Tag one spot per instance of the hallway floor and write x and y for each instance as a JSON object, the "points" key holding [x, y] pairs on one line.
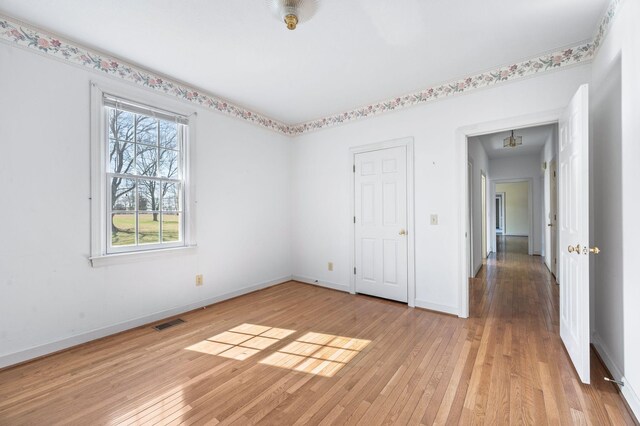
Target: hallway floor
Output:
{"points": [[522, 372]]}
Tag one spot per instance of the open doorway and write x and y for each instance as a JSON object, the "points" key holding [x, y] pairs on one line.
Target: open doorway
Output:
{"points": [[568, 144], [517, 208], [508, 193], [500, 218]]}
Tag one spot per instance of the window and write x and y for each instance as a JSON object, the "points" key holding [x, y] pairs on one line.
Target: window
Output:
{"points": [[140, 177]]}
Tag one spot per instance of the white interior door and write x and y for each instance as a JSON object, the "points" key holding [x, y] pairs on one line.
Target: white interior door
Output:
{"points": [[574, 231], [470, 219], [553, 220], [381, 223], [483, 222]]}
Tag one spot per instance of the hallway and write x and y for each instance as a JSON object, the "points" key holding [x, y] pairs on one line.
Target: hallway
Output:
{"points": [[522, 373]]}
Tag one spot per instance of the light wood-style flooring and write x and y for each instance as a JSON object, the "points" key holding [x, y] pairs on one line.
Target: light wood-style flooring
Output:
{"points": [[300, 354]]}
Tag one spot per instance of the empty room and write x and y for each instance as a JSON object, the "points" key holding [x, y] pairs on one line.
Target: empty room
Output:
{"points": [[295, 212]]}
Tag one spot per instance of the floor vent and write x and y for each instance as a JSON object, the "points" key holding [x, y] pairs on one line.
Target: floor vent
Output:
{"points": [[168, 324]]}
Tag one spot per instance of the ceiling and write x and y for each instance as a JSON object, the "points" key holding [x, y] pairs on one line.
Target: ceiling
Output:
{"points": [[533, 140], [350, 54]]}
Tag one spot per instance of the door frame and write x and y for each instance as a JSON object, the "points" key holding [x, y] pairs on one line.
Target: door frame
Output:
{"points": [[469, 232], [500, 213], [406, 142], [484, 213], [529, 209], [553, 232], [461, 138]]}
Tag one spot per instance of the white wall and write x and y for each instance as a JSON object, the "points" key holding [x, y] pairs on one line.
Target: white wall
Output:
{"points": [[480, 162], [521, 167], [48, 291], [516, 207], [615, 126], [321, 173]]}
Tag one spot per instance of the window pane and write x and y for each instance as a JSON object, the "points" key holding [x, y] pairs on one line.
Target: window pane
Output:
{"points": [[123, 195], [148, 228], [147, 160], [121, 125], [171, 226], [169, 162], [148, 195], [123, 229], [121, 156], [170, 196], [168, 134], [146, 130]]}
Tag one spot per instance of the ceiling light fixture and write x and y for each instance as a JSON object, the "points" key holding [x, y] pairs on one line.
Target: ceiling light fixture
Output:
{"points": [[293, 12], [512, 141]]}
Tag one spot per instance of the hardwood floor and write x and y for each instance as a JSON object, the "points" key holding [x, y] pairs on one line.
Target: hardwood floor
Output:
{"points": [[299, 354]]}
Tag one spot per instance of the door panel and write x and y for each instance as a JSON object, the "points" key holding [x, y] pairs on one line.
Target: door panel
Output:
{"points": [[574, 231], [381, 223]]}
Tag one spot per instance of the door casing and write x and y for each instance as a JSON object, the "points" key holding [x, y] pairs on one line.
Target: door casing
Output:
{"points": [[462, 155], [411, 273], [553, 210]]}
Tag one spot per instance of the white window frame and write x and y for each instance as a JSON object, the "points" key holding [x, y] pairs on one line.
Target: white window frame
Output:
{"points": [[101, 253]]}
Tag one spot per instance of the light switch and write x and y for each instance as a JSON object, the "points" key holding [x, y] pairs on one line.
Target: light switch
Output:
{"points": [[434, 219]]}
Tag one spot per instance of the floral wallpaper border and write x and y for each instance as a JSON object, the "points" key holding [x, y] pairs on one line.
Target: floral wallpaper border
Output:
{"points": [[561, 58], [26, 36], [29, 37]]}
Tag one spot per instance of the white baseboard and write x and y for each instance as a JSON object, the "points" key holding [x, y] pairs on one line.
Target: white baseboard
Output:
{"points": [[419, 303], [631, 397], [475, 272], [627, 390], [453, 310], [327, 284], [48, 348]]}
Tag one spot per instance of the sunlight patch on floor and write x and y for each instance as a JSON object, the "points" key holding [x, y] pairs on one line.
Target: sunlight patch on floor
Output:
{"points": [[317, 353], [313, 353], [241, 342]]}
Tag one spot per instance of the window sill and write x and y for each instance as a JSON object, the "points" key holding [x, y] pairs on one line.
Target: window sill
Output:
{"points": [[136, 256]]}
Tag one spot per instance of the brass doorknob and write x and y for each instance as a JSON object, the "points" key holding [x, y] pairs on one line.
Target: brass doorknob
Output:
{"points": [[402, 232], [573, 249], [594, 250]]}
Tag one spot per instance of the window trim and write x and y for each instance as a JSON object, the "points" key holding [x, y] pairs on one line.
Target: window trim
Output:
{"points": [[98, 198]]}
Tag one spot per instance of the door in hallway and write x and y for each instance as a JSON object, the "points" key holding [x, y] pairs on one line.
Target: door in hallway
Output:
{"points": [[381, 223], [574, 231], [483, 194], [553, 219]]}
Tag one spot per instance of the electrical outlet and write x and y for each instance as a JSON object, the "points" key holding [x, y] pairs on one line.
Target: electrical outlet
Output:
{"points": [[199, 280], [330, 266], [434, 219]]}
